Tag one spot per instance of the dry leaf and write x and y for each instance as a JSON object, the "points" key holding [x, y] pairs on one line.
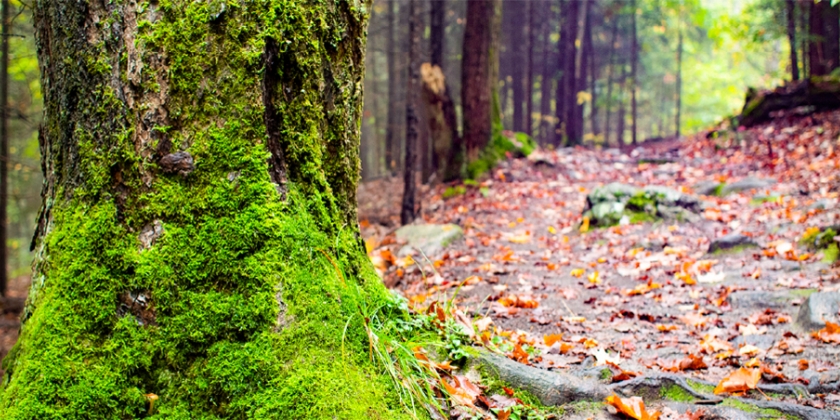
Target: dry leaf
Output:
{"points": [[739, 382], [633, 407]]}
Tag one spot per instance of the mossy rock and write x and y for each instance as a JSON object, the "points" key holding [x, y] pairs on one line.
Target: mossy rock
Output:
{"points": [[616, 202], [429, 239]]}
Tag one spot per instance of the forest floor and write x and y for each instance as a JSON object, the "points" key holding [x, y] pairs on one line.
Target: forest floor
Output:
{"points": [[643, 299]]}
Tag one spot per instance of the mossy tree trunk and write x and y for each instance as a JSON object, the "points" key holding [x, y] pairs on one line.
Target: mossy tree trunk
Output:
{"points": [[198, 253], [476, 91]]}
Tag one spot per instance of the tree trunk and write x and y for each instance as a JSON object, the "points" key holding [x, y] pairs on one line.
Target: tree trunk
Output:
{"points": [[831, 20], [437, 32], [610, 72], [476, 81], [548, 73], [392, 143], [409, 211], [593, 80], [519, 63], [816, 47], [581, 83], [566, 100], [791, 33], [4, 140], [529, 73], [677, 122], [619, 135], [440, 111], [198, 254], [634, 76]]}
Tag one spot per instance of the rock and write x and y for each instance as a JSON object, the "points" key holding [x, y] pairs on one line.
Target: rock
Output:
{"points": [[428, 239], [761, 300], [611, 203], [612, 192], [673, 198], [707, 188], [748, 183], [731, 242], [818, 308]]}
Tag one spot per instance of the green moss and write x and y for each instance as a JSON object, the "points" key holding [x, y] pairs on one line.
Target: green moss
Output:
{"points": [[831, 254], [803, 293], [520, 145], [766, 413], [454, 191], [585, 407], [606, 374], [675, 393], [759, 200], [700, 387], [257, 304], [640, 217], [718, 191], [532, 407], [733, 250]]}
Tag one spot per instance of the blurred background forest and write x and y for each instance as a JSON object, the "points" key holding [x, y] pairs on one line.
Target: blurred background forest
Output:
{"points": [[689, 63], [685, 63]]}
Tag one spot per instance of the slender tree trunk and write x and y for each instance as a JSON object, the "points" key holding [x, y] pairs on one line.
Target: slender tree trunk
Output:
{"points": [[610, 77], [816, 47], [593, 80], [622, 112], [196, 260], [582, 81], [529, 72], [409, 212], [677, 122], [634, 60], [392, 144], [548, 72], [519, 68], [476, 82], [437, 32], [831, 20], [566, 99], [804, 29], [4, 141], [791, 33]]}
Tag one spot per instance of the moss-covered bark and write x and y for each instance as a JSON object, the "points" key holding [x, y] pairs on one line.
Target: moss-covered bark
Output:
{"points": [[197, 252]]}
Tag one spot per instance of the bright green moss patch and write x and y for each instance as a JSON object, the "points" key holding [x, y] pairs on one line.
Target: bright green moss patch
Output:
{"points": [[519, 145], [675, 393], [455, 191], [765, 413], [255, 298], [831, 254], [700, 387]]}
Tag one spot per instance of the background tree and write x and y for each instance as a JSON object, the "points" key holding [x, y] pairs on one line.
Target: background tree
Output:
{"points": [[198, 241], [477, 82], [409, 211]]}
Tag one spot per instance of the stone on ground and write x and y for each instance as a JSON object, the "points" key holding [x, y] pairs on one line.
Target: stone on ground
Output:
{"points": [[614, 202], [429, 239], [731, 242], [746, 184], [819, 308]]}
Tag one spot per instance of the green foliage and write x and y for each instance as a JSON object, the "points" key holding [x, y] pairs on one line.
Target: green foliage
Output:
{"points": [[501, 144], [455, 191]]}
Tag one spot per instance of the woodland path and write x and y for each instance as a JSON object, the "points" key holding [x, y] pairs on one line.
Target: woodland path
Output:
{"points": [[649, 297]]}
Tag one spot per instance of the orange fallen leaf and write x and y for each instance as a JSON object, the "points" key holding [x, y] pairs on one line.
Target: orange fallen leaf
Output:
{"points": [[550, 339], [829, 334], [584, 225], [739, 381], [634, 407], [694, 319]]}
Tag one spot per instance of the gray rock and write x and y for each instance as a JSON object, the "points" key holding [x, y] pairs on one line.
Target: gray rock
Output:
{"points": [[612, 192], [673, 198], [677, 213], [762, 341], [733, 241], [706, 188], [818, 308], [746, 184], [429, 239], [607, 212], [760, 300]]}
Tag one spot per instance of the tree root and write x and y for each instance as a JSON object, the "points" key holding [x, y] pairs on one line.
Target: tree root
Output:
{"points": [[555, 389]]}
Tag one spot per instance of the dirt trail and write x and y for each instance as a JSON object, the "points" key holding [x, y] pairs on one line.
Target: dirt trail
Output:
{"points": [[648, 297]]}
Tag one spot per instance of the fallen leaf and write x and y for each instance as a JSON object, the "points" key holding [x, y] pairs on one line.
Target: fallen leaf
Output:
{"points": [[739, 381], [829, 334], [634, 407]]}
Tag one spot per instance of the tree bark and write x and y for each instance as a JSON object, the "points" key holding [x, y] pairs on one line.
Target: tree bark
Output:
{"points": [[566, 97], [610, 77], [582, 81], [519, 68], [529, 72], [791, 33], [4, 141], [437, 32], [593, 80], [677, 122], [476, 81], [198, 254], [548, 72], [634, 76], [622, 111], [392, 144], [408, 212]]}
